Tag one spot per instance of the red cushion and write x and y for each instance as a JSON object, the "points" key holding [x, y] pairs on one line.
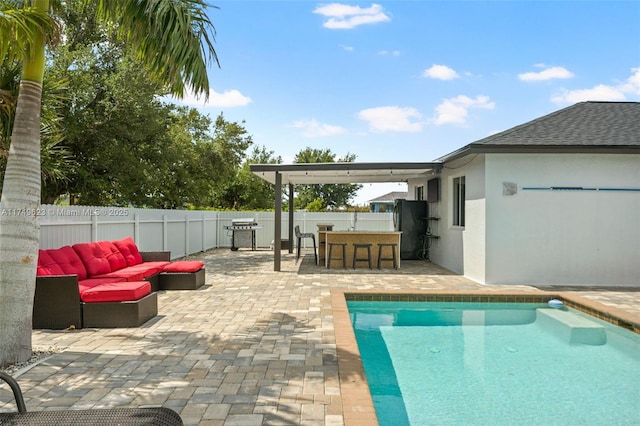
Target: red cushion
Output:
{"points": [[89, 283], [46, 265], [94, 258], [116, 292], [124, 274], [148, 268], [184, 266], [43, 272], [129, 250], [114, 256], [69, 261]]}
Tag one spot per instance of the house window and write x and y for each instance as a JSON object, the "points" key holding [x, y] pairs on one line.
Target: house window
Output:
{"points": [[458, 201], [420, 193]]}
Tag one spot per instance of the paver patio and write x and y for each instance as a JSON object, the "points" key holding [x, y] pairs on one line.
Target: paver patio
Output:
{"points": [[251, 347]]}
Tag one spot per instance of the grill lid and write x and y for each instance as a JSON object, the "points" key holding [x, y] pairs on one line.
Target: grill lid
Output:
{"points": [[243, 221]]}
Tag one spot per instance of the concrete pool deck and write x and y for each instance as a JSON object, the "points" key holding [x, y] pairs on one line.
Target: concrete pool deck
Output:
{"points": [[251, 347]]}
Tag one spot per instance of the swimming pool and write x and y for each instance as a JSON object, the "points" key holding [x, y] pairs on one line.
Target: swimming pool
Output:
{"points": [[495, 363]]}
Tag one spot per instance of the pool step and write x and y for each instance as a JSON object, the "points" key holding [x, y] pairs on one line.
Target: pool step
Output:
{"points": [[571, 327]]}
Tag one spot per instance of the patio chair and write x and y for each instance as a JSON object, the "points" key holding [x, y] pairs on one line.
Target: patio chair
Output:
{"points": [[299, 237], [153, 416], [15, 388]]}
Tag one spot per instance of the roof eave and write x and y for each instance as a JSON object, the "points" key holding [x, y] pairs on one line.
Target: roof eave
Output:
{"points": [[538, 149]]}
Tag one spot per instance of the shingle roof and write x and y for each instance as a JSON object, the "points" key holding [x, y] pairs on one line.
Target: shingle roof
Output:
{"points": [[585, 125]]}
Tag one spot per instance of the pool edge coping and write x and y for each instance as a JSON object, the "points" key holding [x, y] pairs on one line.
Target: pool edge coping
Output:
{"points": [[357, 403]]}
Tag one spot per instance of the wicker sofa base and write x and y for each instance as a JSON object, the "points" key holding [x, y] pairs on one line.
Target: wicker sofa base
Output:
{"points": [[182, 280], [56, 303], [120, 314], [154, 281]]}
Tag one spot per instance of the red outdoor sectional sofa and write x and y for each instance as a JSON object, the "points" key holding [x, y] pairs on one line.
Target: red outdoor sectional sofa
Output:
{"points": [[106, 284]]}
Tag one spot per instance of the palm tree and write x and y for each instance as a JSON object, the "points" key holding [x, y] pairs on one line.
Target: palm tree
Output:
{"points": [[55, 160], [174, 39]]}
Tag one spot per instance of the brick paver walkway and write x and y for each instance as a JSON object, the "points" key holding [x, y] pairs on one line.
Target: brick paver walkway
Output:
{"points": [[251, 347]]}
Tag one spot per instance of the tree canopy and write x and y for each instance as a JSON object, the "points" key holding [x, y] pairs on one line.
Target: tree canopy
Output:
{"points": [[111, 138]]}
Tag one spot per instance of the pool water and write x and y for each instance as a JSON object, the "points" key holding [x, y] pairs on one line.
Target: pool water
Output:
{"points": [[432, 363]]}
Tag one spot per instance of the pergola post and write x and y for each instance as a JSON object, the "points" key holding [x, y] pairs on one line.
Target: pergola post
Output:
{"points": [[277, 238], [291, 211]]}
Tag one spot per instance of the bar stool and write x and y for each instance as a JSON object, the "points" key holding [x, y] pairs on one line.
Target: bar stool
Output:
{"points": [[344, 255], [393, 254], [357, 247], [300, 236]]}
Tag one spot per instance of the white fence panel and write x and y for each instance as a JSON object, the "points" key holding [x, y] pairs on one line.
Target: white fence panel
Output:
{"points": [[210, 232], [150, 236], [113, 230], [63, 234], [195, 226], [176, 237], [183, 232]]}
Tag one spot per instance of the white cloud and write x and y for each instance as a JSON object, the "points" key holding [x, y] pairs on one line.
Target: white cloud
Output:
{"points": [[632, 84], [227, 99], [440, 72], [389, 53], [598, 93], [342, 16], [546, 74], [602, 92], [455, 110], [347, 48], [313, 128], [392, 118]]}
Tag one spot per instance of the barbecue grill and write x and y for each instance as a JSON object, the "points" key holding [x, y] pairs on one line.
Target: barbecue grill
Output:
{"points": [[243, 233]]}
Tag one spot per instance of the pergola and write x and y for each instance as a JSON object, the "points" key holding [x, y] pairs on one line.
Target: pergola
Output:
{"points": [[329, 173]]}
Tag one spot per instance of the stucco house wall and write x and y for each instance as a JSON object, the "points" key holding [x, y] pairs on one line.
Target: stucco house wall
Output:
{"points": [[563, 237], [542, 237], [460, 249]]}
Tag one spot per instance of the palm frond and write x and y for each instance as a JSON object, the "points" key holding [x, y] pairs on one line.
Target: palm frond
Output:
{"points": [[174, 38], [21, 27], [56, 159], [9, 83]]}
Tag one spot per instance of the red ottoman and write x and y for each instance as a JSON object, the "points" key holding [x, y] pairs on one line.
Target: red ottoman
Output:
{"points": [[182, 275], [120, 304], [123, 291]]}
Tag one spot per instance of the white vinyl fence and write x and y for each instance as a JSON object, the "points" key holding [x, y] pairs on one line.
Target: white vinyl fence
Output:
{"points": [[182, 232]]}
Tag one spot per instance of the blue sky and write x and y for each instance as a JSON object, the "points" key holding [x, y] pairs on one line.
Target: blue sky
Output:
{"points": [[414, 80]]}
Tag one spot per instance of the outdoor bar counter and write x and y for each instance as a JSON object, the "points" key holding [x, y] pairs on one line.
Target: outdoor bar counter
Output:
{"points": [[360, 237]]}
